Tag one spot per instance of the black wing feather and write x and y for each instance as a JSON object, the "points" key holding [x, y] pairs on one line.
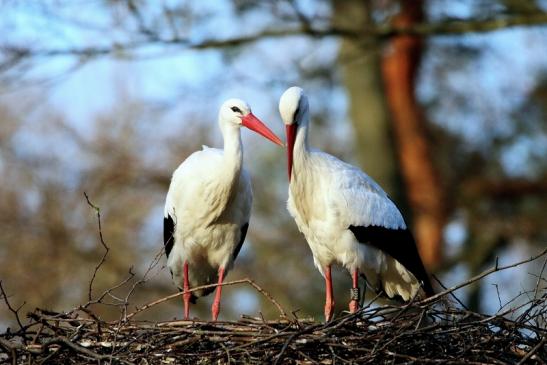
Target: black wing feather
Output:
{"points": [[241, 240], [168, 234], [399, 244]]}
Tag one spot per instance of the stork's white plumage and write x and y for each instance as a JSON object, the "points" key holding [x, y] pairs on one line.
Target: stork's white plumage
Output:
{"points": [[346, 217], [208, 207]]}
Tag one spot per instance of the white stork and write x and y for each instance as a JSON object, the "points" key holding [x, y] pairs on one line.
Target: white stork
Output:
{"points": [[208, 206], [346, 217]]}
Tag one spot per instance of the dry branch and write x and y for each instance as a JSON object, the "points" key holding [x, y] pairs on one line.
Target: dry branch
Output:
{"points": [[15, 312], [106, 248], [234, 282], [492, 270], [15, 53]]}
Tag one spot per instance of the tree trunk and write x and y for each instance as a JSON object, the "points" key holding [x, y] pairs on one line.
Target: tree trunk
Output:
{"points": [[362, 79], [399, 68]]}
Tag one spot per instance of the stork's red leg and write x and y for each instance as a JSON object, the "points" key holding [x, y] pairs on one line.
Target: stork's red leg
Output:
{"points": [[215, 309], [329, 298], [354, 300], [186, 295]]}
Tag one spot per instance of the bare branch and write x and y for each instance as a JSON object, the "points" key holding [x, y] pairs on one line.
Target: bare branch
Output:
{"points": [[475, 278], [106, 248], [15, 312], [380, 31], [455, 27], [234, 282], [141, 281], [540, 276], [451, 294], [533, 351]]}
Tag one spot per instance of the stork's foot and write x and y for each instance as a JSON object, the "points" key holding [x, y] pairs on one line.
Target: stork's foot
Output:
{"points": [[353, 306]]}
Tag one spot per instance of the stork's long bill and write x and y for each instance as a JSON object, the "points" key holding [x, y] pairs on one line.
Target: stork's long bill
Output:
{"points": [[290, 130], [254, 124]]}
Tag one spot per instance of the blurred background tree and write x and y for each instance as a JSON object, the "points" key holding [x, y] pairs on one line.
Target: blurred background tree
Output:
{"points": [[442, 102]]}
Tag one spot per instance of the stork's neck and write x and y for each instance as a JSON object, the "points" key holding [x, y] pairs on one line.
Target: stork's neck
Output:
{"points": [[233, 156], [301, 152], [301, 145], [224, 179], [233, 151], [301, 141], [301, 186]]}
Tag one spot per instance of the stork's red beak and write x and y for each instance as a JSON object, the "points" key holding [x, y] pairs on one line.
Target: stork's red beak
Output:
{"points": [[290, 130], [254, 124]]}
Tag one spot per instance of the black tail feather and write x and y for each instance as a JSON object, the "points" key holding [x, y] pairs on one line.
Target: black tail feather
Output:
{"points": [[399, 244]]}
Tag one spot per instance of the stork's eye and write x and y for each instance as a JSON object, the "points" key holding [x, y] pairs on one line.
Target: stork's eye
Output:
{"points": [[235, 109]]}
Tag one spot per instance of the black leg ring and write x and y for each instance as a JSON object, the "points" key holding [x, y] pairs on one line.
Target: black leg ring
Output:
{"points": [[354, 294]]}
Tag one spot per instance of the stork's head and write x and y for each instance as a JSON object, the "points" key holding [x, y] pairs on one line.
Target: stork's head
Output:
{"points": [[236, 112], [293, 107]]}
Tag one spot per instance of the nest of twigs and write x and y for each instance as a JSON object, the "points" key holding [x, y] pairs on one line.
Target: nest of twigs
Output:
{"points": [[435, 330], [413, 334], [438, 329]]}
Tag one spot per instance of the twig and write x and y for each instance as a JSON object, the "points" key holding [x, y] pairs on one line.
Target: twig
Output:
{"points": [[10, 350], [268, 296], [451, 294], [235, 282], [61, 340], [14, 311], [475, 278], [533, 351], [108, 292], [540, 276], [106, 248], [141, 281], [291, 338]]}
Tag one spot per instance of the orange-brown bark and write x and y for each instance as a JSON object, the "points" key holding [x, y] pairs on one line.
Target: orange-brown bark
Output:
{"points": [[399, 66]]}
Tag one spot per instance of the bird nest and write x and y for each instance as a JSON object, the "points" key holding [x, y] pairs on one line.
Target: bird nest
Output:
{"points": [[439, 329], [436, 330]]}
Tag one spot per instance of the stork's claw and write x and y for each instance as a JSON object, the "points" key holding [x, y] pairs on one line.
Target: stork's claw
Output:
{"points": [[353, 306]]}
